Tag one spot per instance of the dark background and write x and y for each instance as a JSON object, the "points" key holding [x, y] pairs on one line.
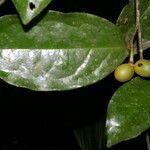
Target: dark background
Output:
{"points": [[45, 120]]}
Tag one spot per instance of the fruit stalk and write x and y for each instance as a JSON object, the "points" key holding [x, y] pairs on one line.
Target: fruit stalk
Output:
{"points": [[131, 59], [138, 26]]}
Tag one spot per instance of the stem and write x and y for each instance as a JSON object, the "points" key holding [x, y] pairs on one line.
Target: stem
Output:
{"points": [[148, 141], [132, 48], [131, 59], [138, 26]]}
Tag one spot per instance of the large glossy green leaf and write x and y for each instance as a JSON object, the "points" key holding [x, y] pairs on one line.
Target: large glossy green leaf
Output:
{"points": [[126, 21], [128, 111], [28, 9], [63, 51]]}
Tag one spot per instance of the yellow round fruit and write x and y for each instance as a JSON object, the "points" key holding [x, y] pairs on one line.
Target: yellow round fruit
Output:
{"points": [[124, 72], [142, 67]]}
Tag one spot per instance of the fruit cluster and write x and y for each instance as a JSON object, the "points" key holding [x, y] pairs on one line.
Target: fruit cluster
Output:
{"points": [[126, 71]]}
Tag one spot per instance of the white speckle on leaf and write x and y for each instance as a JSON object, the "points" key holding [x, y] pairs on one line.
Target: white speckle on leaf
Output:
{"points": [[84, 64], [30, 65], [112, 125]]}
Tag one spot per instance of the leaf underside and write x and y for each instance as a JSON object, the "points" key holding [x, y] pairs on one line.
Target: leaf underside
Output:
{"points": [[126, 21], [63, 51], [128, 111], [29, 9]]}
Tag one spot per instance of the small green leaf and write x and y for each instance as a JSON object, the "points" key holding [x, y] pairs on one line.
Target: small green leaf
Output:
{"points": [[126, 21], [63, 51], [28, 9], [128, 111]]}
